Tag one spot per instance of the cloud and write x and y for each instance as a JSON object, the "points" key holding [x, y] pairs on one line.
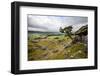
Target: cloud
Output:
{"points": [[53, 23]]}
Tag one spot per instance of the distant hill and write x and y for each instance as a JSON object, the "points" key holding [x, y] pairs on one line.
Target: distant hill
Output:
{"points": [[40, 32]]}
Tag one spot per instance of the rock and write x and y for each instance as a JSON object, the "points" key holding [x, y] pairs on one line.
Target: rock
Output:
{"points": [[80, 51], [55, 51], [45, 54], [66, 46], [81, 35], [35, 41], [44, 47], [71, 56], [34, 48], [82, 31], [85, 39], [76, 39]]}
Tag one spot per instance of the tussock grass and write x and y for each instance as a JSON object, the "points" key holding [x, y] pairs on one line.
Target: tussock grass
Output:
{"points": [[44, 47]]}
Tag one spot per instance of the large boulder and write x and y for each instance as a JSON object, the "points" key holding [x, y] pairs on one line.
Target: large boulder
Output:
{"points": [[81, 35], [82, 31]]}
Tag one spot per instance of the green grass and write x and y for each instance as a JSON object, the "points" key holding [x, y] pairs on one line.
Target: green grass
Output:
{"points": [[44, 47]]}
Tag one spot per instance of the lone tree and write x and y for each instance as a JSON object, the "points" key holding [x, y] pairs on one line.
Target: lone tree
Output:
{"points": [[67, 31]]}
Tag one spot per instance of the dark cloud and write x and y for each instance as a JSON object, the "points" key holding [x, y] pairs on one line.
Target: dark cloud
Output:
{"points": [[53, 23]]}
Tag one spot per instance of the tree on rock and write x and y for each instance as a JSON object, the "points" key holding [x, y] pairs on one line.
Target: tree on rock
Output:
{"points": [[67, 31]]}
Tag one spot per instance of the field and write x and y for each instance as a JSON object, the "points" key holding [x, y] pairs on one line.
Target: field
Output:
{"points": [[54, 47]]}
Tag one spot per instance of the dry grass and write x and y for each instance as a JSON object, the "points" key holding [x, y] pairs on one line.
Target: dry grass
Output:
{"points": [[54, 47]]}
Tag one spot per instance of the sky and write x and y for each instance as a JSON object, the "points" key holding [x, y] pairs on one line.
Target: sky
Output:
{"points": [[47, 23]]}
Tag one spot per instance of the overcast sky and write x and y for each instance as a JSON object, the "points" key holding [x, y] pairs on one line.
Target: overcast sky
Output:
{"points": [[53, 23]]}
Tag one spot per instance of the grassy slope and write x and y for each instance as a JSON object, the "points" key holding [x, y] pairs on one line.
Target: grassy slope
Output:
{"points": [[41, 47]]}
